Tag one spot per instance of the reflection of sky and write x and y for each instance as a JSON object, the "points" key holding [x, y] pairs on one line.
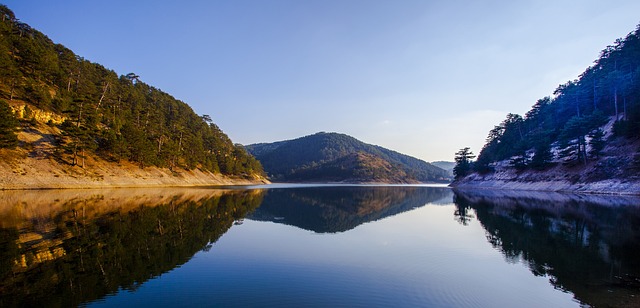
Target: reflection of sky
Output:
{"points": [[418, 258]]}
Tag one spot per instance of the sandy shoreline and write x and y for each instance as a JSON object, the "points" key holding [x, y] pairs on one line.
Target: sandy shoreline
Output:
{"points": [[46, 173]]}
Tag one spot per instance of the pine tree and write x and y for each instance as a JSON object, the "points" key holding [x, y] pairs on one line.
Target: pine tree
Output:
{"points": [[8, 124], [597, 143], [463, 163], [542, 157]]}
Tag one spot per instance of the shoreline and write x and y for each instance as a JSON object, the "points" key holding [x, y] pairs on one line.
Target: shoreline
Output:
{"points": [[33, 173], [606, 187], [89, 187]]}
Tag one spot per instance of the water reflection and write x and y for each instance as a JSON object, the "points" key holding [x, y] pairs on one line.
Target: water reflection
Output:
{"points": [[334, 209], [63, 248], [588, 245]]}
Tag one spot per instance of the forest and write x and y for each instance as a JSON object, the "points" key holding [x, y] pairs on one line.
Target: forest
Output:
{"points": [[337, 157], [106, 115], [568, 126]]}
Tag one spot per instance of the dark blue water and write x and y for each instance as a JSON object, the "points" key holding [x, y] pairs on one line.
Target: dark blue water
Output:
{"points": [[319, 246]]}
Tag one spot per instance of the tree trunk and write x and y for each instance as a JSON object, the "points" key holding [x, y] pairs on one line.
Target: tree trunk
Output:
{"points": [[75, 155], [615, 101], [582, 142], [595, 106], [79, 115], [13, 87], [104, 92]]}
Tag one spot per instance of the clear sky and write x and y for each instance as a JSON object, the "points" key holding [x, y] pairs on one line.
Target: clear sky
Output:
{"points": [[424, 78]]}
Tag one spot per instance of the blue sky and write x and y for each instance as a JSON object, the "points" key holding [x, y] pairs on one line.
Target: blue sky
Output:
{"points": [[424, 78]]}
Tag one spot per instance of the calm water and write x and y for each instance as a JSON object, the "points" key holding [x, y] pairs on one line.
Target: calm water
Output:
{"points": [[318, 246]]}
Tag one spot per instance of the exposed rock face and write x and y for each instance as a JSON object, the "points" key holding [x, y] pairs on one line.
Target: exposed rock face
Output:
{"points": [[41, 116]]}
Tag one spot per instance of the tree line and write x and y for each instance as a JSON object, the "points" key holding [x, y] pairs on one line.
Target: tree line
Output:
{"points": [[114, 117], [570, 120]]}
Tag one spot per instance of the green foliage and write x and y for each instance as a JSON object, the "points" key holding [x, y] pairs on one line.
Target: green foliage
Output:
{"points": [[114, 117], [464, 163], [8, 126], [483, 165], [302, 160], [542, 157], [597, 142], [608, 90], [520, 161], [573, 135]]}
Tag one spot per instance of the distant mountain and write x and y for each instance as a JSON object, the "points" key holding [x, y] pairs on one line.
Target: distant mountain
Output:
{"points": [[333, 157], [446, 165]]}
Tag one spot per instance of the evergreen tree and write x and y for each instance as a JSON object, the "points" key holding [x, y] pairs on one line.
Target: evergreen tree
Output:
{"points": [[520, 161], [463, 163], [542, 156], [596, 142], [8, 125], [611, 87], [125, 117]]}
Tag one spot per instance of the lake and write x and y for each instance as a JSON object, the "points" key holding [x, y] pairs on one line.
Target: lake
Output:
{"points": [[318, 246]]}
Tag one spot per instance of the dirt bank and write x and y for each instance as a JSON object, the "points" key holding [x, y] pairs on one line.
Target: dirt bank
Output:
{"points": [[45, 172]]}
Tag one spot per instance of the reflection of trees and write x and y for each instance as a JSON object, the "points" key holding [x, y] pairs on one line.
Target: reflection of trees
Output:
{"points": [[70, 257], [341, 208], [462, 212], [589, 248]]}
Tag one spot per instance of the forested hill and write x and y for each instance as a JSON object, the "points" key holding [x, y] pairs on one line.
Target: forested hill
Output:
{"points": [[85, 110], [587, 131], [333, 157]]}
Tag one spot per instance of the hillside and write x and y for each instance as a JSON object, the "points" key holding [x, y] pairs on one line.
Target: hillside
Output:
{"points": [[446, 165], [586, 137], [68, 122], [333, 157]]}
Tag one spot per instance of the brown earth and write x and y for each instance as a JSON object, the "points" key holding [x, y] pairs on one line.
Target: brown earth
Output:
{"points": [[34, 164]]}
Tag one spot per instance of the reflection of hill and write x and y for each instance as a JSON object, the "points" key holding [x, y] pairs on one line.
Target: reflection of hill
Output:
{"points": [[19, 206], [586, 244], [341, 208], [69, 247]]}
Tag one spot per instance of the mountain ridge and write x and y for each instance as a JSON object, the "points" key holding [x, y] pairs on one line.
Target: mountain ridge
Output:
{"points": [[336, 157]]}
